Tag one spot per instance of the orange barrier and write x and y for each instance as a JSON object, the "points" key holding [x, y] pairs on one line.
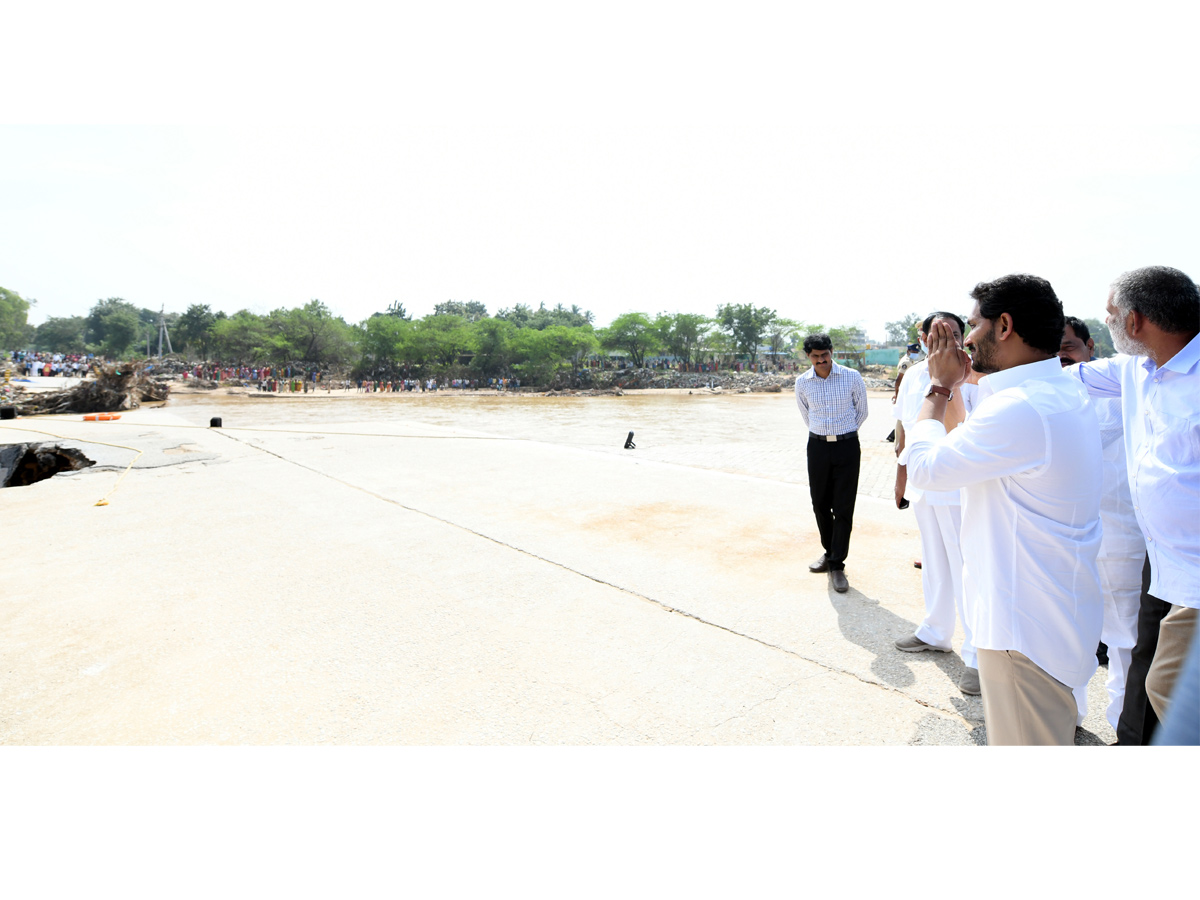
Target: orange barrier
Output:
{"points": [[101, 417]]}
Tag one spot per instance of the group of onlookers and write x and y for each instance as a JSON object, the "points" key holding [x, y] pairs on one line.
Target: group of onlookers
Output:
{"points": [[51, 365], [1057, 498]]}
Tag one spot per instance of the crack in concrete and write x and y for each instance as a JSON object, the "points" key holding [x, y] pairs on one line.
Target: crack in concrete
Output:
{"points": [[828, 667], [755, 706]]}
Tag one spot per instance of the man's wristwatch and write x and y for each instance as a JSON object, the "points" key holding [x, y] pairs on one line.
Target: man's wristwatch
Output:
{"points": [[938, 389]]}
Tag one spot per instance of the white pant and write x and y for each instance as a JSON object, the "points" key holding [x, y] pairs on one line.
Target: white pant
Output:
{"points": [[1121, 584], [941, 577]]}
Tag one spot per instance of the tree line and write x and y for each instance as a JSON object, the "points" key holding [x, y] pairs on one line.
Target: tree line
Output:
{"points": [[458, 339]]}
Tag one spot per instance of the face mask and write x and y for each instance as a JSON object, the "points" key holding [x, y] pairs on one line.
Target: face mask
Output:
{"points": [[914, 356]]}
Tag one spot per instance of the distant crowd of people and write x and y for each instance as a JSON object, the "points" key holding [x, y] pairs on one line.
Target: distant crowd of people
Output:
{"points": [[371, 386], [51, 365], [218, 372], [1057, 498]]}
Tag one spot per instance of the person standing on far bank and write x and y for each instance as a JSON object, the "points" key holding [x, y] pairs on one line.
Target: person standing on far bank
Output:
{"points": [[833, 401]]}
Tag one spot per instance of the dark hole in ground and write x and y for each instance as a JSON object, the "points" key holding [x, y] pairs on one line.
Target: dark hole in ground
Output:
{"points": [[26, 464]]}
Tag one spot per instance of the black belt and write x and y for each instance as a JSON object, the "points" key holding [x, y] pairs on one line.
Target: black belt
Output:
{"points": [[833, 437]]}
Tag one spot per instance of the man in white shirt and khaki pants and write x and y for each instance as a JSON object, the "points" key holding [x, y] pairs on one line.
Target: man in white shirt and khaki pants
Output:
{"points": [[1028, 461], [1154, 318]]}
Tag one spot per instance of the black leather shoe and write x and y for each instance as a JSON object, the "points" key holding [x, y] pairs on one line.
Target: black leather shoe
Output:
{"points": [[821, 565], [838, 577]]}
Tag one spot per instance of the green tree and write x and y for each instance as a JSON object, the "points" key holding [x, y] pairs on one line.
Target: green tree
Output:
{"points": [[746, 324], [682, 334], [385, 342], [495, 348], [843, 338], [397, 310], [524, 317], [240, 338], [572, 345], [719, 348], [1101, 337], [634, 333], [904, 330], [472, 311], [14, 320], [310, 335], [60, 335], [113, 327], [443, 340], [193, 330], [782, 336]]}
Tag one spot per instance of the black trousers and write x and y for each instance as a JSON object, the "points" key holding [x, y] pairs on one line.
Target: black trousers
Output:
{"points": [[833, 486], [1138, 721]]}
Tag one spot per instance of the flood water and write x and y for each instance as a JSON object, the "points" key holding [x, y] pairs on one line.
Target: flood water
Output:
{"points": [[657, 419]]}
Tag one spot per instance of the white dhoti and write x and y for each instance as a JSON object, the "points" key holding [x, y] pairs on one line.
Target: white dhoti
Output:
{"points": [[941, 577]]}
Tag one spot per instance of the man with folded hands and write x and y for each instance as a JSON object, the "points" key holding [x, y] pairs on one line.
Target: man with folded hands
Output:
{"points": [[1028, 462]]}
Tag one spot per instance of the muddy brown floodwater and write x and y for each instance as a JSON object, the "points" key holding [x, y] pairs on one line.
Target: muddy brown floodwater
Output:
{"points": [[658, 420]]}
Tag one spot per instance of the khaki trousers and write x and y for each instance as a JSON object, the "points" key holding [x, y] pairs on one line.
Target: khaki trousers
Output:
{"points": [[1022, 704], [1174, 639]]}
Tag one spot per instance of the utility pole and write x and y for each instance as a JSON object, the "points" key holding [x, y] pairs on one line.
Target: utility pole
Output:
{"points": [[162, 332]]}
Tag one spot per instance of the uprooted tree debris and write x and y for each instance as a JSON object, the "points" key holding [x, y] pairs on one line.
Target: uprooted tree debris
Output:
{"points": [[115, 386]]}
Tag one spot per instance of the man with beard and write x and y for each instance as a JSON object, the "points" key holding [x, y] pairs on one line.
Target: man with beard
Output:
{"points": [[1154, 317], [1122, 549], [1028, 462]]}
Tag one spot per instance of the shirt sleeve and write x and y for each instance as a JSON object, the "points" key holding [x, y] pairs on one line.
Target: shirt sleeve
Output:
{"points": [[802, 402], [905, 398], [1004, 436], [1101, 377], [860, 400]]}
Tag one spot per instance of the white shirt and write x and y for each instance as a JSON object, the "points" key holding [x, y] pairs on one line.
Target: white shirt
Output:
{"points": [[1122, 534], [1161, 409], [1028, 461], [913, 389]]}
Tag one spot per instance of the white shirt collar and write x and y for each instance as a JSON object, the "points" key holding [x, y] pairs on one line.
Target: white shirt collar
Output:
{"points": [[1042, 370]]}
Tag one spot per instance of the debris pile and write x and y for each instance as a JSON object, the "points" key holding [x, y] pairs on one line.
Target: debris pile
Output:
{"points": [[113, 387]]}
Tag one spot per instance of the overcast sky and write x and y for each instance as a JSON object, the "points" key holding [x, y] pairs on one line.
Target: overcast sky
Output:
{"points": [[840, 167]]}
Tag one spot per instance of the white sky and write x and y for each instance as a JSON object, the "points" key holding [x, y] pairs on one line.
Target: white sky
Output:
{"points": [[841, 167]]}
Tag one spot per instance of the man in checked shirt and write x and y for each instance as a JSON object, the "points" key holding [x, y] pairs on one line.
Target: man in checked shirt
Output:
{"points": [[833, 402]]}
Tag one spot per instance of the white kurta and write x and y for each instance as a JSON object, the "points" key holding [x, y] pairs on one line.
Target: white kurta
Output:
{"points": [[1029, 462]]}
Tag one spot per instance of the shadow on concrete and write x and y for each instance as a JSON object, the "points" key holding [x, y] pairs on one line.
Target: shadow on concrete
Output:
{"points": [[864, 622]]}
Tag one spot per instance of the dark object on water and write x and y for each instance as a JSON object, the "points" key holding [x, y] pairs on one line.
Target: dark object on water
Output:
{"points": [[8, 412], [629, 444], [214, 422]]}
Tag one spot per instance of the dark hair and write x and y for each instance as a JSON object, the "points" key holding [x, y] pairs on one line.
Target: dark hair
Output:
{"points": [[818, 341], [1036, 311], [942, 314], [1079, 327], [1165, 296]]}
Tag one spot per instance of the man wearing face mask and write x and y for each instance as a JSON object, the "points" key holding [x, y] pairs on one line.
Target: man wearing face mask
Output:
{"points": [[913, 354], [1122, 549], [1154, 317], [939, 519], [1028, 462]]}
